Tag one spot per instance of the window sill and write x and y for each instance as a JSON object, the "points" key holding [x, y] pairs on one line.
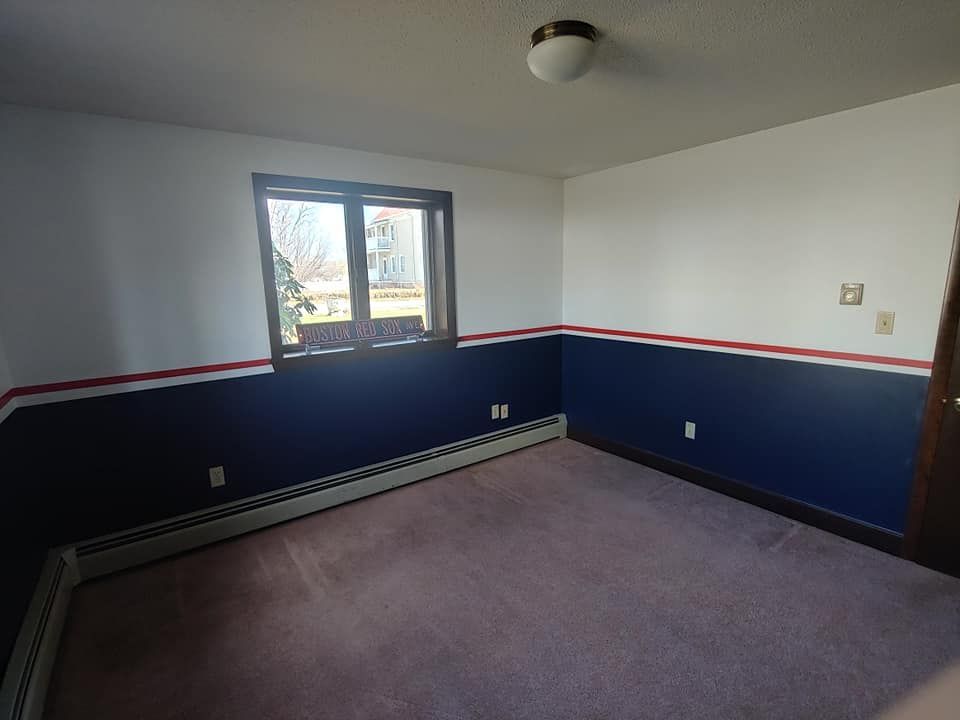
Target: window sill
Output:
{"points": [[356, 351]]}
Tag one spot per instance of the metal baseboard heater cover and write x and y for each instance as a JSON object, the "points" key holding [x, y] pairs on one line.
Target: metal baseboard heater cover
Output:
{"points": [[150, 542], [24, 687]]}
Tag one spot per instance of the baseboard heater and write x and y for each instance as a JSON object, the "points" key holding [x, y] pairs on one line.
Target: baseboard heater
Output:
{"points": [[149, 542], [25, 681]]}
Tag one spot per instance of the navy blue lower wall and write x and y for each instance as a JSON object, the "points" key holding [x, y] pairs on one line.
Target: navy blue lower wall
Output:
{"points": [[21, 569], [839, 438], [78, 469], [24, 534], [116, 461]]}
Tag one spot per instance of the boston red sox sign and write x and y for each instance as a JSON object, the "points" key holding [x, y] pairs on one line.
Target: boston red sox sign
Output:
{"points": [[334, 333]]}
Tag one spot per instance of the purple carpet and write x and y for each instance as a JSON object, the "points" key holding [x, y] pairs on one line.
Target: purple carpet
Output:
{"points": [[555, 582]]}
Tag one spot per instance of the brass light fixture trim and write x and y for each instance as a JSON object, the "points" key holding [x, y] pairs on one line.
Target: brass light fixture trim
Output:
{"points": [[563, 27]]}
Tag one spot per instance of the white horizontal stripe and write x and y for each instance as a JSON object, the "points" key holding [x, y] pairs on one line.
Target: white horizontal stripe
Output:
{"points": [[8, 409], [123, 387], [906, 370], [505, 338]]}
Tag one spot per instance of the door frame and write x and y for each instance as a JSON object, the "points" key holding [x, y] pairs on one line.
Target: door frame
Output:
{"points": [[936, 403]]}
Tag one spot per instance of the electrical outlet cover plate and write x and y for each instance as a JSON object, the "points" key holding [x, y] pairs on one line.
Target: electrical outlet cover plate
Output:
{"points": [[690, 430], [504, 411], [217, 478]]}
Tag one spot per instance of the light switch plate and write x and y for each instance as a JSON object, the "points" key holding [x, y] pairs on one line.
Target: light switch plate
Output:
{"points": [[851, 294], [690, 430], [884, 322], [495, 411]]}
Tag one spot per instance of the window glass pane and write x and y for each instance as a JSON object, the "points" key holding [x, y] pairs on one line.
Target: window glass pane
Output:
{"points": [[396, 261], [310, 263]]}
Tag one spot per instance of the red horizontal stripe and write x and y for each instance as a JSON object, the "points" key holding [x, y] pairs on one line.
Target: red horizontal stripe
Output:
{"points": [[511, 333], [734, 344], [221, 367], [135, 377], [759, 347]]}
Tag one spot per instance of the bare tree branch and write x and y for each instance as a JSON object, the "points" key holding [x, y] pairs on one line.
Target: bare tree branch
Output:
{"points": [[296, 235]]}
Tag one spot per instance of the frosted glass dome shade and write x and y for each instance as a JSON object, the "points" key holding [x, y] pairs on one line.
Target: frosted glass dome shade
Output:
{"points": [[559, 56]]}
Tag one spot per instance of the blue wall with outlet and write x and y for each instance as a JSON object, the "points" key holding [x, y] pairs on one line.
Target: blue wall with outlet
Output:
{"points": [[117, 461], [839, 438], [113, 462]]}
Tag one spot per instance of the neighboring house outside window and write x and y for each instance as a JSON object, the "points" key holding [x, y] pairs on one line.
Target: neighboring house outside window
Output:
{"points": [[394, 235]]}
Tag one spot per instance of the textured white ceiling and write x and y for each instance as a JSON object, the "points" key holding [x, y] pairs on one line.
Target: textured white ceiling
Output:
{"points": [[447, 79]]}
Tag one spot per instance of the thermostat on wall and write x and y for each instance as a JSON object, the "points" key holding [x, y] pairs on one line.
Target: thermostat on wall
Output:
{"points": [[851, 294]]}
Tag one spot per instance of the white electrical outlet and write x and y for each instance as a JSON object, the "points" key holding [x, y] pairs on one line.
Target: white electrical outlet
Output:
{"points": [[504, 411], [217, 478], [690, 430], [495, 412]]}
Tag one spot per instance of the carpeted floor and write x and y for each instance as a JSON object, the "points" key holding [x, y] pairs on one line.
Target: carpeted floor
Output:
{"points": [[556, 582]]}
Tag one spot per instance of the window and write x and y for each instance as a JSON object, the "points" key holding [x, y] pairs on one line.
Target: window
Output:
{"points": [[326, 247]]}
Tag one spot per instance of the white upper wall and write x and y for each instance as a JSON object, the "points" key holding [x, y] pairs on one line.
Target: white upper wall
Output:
{"points": [[133, 246], [6, 381], [749, 239]]}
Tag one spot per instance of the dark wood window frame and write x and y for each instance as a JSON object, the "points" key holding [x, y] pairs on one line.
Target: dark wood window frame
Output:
{"points": [[439, 268]]}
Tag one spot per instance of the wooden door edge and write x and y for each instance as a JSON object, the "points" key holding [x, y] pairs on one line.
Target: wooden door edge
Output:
{"points": [[934, 408]]}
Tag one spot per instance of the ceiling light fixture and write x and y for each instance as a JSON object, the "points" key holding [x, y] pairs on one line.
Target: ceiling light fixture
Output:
{"points": [[562, 51]]}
